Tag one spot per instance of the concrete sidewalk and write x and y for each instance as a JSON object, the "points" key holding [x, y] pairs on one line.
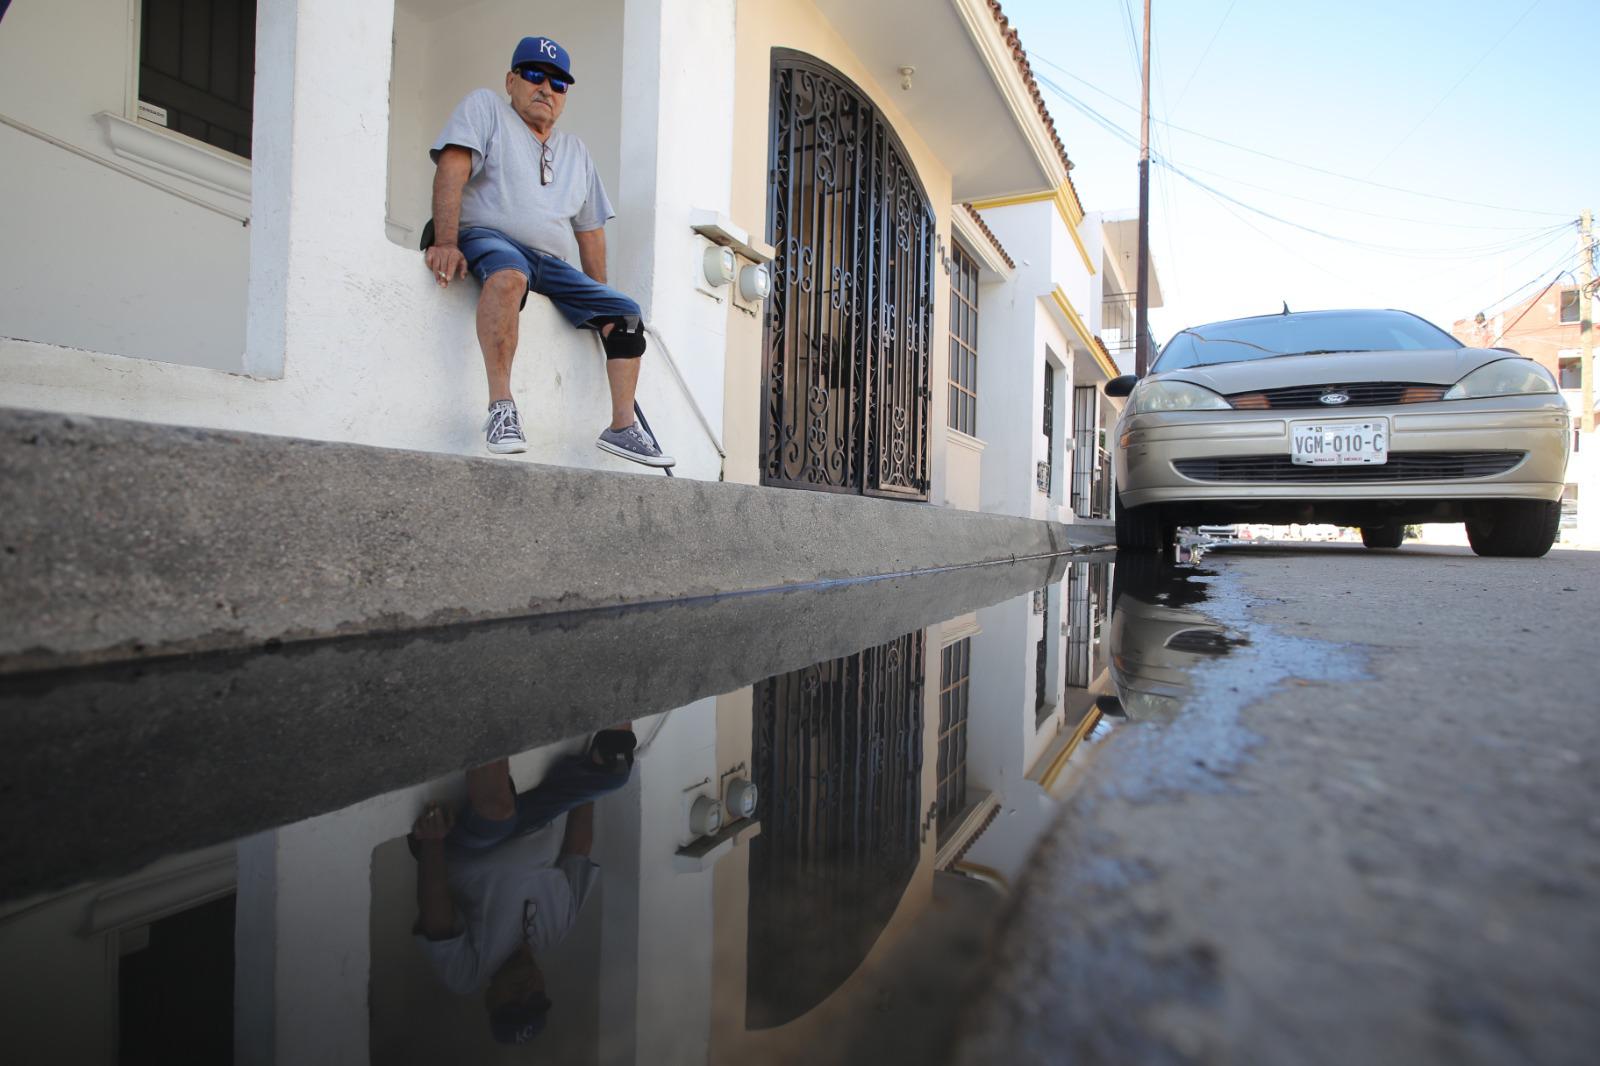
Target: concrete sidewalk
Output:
{"points": [[126, 540]]}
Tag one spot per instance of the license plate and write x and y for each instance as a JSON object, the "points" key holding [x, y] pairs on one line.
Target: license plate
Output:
{"points": [[1349, 443]]}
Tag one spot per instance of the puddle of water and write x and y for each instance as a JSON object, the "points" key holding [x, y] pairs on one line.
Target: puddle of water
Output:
{"points": [[831, 799]]}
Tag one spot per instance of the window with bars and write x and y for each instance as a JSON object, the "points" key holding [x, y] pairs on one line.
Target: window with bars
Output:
{"points": [[197, 63], [963, 342], [955, 675]]}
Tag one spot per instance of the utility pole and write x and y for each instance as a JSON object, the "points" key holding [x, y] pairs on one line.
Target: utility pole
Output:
{"points": [[1586, 315], [1141, 356]]}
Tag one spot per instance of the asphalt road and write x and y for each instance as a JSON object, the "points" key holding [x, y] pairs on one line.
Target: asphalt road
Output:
{"points": [[1372, 834]]}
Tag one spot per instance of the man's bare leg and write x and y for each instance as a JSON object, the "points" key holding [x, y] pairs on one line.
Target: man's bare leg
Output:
{"points": [[623, 377], [499, 305]]}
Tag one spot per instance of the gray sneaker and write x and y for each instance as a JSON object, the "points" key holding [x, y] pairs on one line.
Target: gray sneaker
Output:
{"points": [[635, 444], [503, 429]]}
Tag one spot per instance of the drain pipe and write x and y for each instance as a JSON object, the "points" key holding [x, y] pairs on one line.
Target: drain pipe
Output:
{"points": [[672, 364]]}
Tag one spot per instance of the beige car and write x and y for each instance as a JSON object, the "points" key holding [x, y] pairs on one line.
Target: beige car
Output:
{"points": [[1376, 419]]}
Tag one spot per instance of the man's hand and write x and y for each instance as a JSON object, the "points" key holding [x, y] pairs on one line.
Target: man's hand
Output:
{"points": [[446, 262], [434, 823]]}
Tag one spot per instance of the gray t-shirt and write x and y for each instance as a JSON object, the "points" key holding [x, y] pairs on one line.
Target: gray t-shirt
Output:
{"points": [[521, 890], [504, 191]]}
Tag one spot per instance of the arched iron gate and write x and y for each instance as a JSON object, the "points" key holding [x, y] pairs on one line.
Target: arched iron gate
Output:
{"points": [[836, 756], [851, 314]]}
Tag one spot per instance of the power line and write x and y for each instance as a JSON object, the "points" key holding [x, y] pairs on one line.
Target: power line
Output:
{"points": [[1490, 307], [1473, 251], [1525, 310], [1202, 62], [1032, 57], [1356, 210], [1487, 52], [1411, 252]]}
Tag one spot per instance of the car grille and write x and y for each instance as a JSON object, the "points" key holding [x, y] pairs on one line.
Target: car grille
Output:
{"points": [[1402, 466], [1362, 394]]}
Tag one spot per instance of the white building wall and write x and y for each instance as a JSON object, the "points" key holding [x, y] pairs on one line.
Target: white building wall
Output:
{"points": [[100, 259], [1025, 329]]}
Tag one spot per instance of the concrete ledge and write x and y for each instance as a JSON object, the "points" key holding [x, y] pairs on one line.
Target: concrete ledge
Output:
{"points": [[128, 540], [232, 743]]}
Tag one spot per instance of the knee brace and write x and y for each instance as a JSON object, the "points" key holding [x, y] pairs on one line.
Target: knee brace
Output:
{"points": [[622, 342]]}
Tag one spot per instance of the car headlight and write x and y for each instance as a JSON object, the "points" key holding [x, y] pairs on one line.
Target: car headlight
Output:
{"points": [[1175, 396], [1503, 377]]}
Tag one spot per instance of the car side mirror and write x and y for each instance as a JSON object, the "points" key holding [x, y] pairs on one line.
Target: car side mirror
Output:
{"points": [[1122, 386]]}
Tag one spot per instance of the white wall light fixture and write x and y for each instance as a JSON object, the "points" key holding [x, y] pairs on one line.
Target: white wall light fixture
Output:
{"points": [[720, 265], [755, 282], [742, 798], [705, 816]]}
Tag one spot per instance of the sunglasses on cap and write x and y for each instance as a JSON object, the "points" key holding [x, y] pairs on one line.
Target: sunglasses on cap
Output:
{"points": [[538, 77]]}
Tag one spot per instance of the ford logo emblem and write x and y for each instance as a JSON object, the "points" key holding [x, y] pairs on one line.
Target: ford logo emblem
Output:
{"points": [[1334, 398]]}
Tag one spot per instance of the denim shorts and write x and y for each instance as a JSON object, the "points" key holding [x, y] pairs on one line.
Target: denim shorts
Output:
{"points": [[578, 297], [571, 782]]}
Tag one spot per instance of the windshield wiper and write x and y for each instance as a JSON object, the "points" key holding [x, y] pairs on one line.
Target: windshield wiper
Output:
{"points": [[1227, 340], [1330, 351]]}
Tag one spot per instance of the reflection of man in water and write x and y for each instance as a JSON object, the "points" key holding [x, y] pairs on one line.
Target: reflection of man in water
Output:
{"points": [[493, 891]]}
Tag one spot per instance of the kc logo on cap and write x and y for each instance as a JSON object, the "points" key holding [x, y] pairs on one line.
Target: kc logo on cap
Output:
{"points": [[544, 52]]}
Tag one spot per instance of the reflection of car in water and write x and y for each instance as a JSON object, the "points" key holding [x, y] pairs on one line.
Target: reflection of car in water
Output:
{"points": [[1157, 637]]}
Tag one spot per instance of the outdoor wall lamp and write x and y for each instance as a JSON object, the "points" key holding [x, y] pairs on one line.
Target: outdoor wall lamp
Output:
{"points": [[720, 265], [742, 798], [755, 282], [705, 816]]}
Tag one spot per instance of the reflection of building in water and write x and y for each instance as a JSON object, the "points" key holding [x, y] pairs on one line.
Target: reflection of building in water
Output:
{"points": [[898, 785], [838, 759]]}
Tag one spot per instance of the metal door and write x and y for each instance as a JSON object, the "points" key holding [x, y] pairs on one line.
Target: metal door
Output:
{"points": [[850, 318]]}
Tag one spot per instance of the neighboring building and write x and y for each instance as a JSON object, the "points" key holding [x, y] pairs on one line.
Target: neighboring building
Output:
{"points": [[253, 182], [1545, 328]]}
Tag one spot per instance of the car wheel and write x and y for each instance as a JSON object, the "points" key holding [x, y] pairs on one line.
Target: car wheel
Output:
{"points": [[1139, 529], [1522, 529], [1386, 536]]}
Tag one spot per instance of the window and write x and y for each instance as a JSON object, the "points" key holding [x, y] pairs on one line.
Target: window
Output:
{"points": [[197, 63], [1569, 305], [955, 676], [963, 342], [1045, 479], [1571, 372]]}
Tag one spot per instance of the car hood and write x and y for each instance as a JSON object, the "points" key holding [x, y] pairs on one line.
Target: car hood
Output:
{"points": [[1433, 367]]}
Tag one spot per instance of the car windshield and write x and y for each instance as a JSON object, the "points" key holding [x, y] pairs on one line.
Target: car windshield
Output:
{"points": [[1307, 333]]}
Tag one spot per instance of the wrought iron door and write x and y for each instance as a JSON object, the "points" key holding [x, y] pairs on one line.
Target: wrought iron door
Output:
{"points": [[1084, 449], [851, 314], [837, 758]]}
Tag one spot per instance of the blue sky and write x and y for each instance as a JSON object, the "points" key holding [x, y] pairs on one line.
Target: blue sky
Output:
{"points": [[1478, 106]]}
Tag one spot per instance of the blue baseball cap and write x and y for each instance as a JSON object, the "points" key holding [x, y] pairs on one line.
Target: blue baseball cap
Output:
{"points": [[543, 52], [518, 1023]]}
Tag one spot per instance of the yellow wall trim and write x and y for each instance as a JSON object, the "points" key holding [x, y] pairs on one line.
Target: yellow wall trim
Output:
{"points": [[1066, 200], [1081, 328], [1059, 763]]}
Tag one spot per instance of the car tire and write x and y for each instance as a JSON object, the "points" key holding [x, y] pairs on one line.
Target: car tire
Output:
{"points": [[1519, 529], [1140, 529], [1391, 535]]}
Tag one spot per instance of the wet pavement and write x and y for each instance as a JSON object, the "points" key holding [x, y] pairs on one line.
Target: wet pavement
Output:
{"points": [[1296, 805]]}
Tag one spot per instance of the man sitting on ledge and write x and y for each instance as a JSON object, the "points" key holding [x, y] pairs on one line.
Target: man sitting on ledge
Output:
{"points": [[506, 189]]}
